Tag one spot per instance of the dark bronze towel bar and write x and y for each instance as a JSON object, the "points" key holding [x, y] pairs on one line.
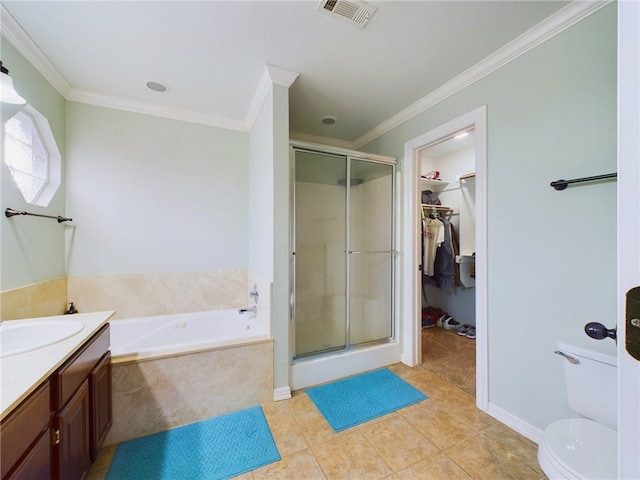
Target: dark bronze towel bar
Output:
{"points": [[10, 212], [562, 184]]}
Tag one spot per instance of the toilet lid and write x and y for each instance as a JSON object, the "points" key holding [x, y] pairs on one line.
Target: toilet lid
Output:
{"points": [[583, 448]]}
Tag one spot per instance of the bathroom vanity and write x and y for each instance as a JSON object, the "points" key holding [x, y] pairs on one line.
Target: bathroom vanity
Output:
{"points": [[56, 404]]}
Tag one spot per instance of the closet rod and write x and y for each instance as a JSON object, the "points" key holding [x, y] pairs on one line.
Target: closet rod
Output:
{"points": [[562, 184], [10, 212]]}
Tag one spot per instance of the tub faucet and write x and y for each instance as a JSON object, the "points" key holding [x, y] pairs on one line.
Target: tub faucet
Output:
{"points": [[253, 309]]}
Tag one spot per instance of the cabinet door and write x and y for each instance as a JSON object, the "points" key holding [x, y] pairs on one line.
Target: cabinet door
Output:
{"points": [[22, 433], [72, 429], [100, 393], [37, 464]]}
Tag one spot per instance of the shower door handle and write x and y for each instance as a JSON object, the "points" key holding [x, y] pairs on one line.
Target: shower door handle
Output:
{"points": [[358, 252]]}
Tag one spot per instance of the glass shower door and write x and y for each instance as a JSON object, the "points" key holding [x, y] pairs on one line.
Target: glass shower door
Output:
{"points": [[319, 259], [343, 252], [371, 252]]}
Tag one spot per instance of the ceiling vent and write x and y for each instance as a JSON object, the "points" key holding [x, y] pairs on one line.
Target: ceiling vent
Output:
{"points": [[355, 12]]}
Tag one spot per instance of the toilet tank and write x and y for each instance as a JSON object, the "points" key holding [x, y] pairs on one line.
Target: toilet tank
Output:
{"points": [[592, 383]]}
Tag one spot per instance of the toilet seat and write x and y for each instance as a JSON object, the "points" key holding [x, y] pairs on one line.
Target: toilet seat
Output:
{"points": [[579, 448]]}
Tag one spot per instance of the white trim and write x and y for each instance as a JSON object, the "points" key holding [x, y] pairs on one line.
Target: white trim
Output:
{"points": [[13, 32], [90, 98], [556, 23], [281, 76], [271, 75], [282, 393], [412, 341], [516, 423], [628, 231]]}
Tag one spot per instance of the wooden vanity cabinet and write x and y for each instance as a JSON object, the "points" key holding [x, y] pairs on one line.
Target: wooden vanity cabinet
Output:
{"points": [[25, 438], [80, 397], [57, 430]]}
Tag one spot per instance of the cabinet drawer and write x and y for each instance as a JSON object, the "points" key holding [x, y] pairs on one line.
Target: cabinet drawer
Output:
{"points": [[71, 375], [23, 426]]}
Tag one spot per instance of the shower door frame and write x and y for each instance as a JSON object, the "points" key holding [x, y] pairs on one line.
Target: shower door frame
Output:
{"points": [[348, 156]]}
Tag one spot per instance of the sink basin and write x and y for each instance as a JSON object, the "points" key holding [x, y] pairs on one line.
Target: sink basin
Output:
{"points": [[24, 336]]}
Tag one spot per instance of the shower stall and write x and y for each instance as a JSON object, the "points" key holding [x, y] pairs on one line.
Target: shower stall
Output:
{"points": [[343, 254]]}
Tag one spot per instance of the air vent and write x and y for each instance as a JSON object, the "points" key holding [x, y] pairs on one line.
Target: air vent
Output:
{"points": [[354, 12]]}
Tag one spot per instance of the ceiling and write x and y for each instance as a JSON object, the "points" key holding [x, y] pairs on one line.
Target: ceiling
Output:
{"points": [[211, 54]]}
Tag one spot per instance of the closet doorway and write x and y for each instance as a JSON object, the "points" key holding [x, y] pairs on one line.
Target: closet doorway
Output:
{"points": [[448, 308], [475, 296]]}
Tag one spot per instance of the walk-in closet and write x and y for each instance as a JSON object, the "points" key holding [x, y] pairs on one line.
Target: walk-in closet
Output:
{"points": [[448, 214]]}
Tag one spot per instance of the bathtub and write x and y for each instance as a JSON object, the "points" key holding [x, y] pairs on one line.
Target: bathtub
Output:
{"points": [[172, 370], [157, 336]]}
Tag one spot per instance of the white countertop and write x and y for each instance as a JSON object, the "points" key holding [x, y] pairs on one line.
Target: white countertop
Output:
{"points": [[21, 374]]}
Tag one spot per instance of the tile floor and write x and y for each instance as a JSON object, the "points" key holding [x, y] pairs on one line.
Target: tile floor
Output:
{"points": [[444, 437]]}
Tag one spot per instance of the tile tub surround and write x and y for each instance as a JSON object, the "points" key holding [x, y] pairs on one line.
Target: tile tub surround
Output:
{"points": [[40, 299], [153, 395], [134, 295], [445, 437]]}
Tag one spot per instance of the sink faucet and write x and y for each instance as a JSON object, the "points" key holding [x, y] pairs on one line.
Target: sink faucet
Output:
{"points": [[253, 309]]}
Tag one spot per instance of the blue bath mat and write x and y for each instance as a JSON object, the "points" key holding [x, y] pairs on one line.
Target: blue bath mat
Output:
{"points": [[358, 399], [218, 448]]}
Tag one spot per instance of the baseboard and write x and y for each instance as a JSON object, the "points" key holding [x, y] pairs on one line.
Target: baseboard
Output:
{"points": [[523, 428], [282, 393]]}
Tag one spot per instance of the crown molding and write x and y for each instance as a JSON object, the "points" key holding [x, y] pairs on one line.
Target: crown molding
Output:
{"points": [[271, 75], [281, 76], [14, 33], [81, 96], [556, 23]]}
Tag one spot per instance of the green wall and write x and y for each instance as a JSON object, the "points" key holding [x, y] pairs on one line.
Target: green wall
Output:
{"points": [[551, 259], [151, 194], [32, 249]]}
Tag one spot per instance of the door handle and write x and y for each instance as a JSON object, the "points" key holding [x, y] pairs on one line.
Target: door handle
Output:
{"points": [[599, 331]]}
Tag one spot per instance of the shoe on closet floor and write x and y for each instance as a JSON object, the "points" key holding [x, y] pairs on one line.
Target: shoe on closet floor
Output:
{"points": [[463, 329], [448, 322], [429, 320], [471, 333]]}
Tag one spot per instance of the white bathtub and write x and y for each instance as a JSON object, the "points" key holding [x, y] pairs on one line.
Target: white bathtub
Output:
{"points": [[157, 336], [173, 370]]}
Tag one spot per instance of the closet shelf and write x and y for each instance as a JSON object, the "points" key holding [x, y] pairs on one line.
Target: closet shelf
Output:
{"points": [[437, 208], [433, 185]]}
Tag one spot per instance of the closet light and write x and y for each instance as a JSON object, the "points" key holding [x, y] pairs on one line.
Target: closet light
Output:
{"points": [[8, 94]]}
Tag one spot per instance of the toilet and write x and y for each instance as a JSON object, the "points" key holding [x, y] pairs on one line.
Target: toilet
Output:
{"points": [[585, 447]]}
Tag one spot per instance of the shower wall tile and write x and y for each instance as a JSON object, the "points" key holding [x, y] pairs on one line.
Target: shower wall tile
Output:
{"points": [[41, 299], [144, 294], [154, 395]]}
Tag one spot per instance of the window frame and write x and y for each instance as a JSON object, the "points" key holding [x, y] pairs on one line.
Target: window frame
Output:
{"points": [[54, 160]]}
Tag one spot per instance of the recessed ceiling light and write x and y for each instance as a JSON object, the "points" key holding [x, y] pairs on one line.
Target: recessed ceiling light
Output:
{"points": [[329, 120], [157, 87]]}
